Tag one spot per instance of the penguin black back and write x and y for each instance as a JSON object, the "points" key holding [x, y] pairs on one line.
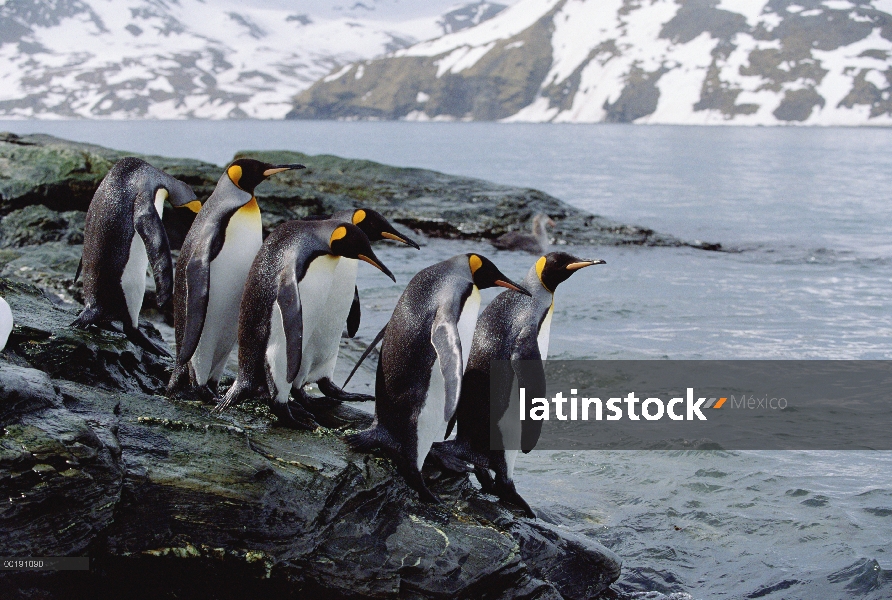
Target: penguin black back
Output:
{"points": [[123, 233], [422, 360], [275, 305]]}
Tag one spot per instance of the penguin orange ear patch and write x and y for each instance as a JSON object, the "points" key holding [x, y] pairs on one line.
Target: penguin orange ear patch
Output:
{"points": [[358, 216], [540, 266], [475, 263], [337, 234], [235, 173]]}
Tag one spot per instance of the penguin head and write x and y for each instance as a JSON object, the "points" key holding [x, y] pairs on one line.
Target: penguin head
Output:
{"points": [[376, 227], [247, 173], [485, 275], [349, 241], [556, 267], [181, 195]]}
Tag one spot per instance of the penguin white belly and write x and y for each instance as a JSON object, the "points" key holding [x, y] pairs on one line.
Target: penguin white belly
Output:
{"points": [[314, 289], [133, 279], [510, 459], [431, 426], [467, 322], [544, 333], [5, 322], [326, 338], [228, 273], [510, 428], [432, 420], [277, 356]]}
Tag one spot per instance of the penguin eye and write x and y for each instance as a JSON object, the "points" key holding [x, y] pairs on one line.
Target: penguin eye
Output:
{"points": [[475, 263], [358, 216], [337, 234], [235, 173]]}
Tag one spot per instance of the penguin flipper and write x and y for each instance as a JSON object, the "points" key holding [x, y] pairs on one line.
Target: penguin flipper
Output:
{"points": [[526, 361], [80, 266], [198, 277], [447, 343], [354, 316], [150, 228], [292, 318]]}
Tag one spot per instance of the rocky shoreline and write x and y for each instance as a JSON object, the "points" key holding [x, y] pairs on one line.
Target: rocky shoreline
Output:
{"points": [[164, 497], [171, 501]]}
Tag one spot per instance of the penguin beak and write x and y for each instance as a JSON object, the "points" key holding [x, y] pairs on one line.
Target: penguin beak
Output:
{"points": [[279, 168], [374, 262], [512, 286], [399, 238], [584, 263], [194, 206]]}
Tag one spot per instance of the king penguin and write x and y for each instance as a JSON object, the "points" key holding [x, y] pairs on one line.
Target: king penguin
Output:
{"points": [[342, 308], [286, 294], [512, 328], [423, 357], [210, 276], [123, 233]]}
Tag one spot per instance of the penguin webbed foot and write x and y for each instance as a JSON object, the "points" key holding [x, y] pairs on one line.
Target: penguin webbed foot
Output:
{"points": [[445, 456], [205, 394], [179, 381], [487, 485], [292, 415], [138, 338], [88, 317], [505, 490], [424, 493], [327, 387]]}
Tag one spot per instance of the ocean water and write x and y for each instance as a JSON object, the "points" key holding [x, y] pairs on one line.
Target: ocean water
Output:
{"points": [[807, 215]]}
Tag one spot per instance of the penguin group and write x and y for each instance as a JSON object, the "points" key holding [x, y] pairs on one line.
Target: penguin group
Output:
{"points": [[287, 300]]}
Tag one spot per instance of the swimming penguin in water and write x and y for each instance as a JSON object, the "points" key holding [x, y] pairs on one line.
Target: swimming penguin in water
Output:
{"points": [[425, 350], [342, 308], [123, 233], [512, 328], [536, 242], [286, 293], [5, 322], [211, 270]]}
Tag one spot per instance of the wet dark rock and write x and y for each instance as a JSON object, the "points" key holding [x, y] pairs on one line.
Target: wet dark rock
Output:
{"points": [[433, 203], [61, 176], [169, 500], [37, 224], [43, 338]]}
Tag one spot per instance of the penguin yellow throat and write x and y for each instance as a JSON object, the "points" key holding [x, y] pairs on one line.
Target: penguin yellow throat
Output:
{"points": [[247, 218], [251, 210]]}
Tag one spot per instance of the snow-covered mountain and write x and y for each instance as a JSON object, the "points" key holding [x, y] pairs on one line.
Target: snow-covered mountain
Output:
{"points": [[815, 62], [194, 58]]}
